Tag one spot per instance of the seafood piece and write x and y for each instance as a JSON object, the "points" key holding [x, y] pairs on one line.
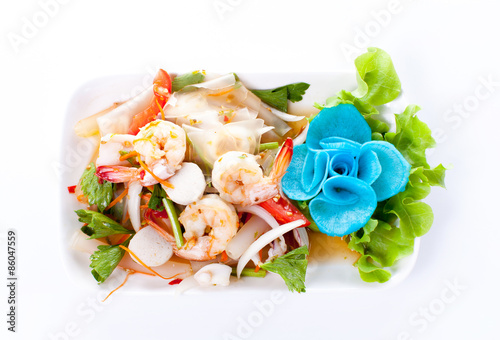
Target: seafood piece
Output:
{"points": [[110, 147], [161, 141], [240, 180], [210, 224], [161, 145], [214, 274], [150, 247], [188, 184]]}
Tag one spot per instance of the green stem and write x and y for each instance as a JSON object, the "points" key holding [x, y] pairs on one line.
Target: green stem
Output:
{"points": [[250, 272], [268, 146], [176, 227]]}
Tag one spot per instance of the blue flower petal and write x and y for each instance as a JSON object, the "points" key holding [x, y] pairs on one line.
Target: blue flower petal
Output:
{"points": [[395, 169], [339, 143], [315, 171], [299, 174], [343, 164], [343, 121], [345, 205], [369, 168]]}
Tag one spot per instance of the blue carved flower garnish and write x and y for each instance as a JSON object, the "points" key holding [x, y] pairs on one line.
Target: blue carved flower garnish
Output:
{"points": [[343, 172]]}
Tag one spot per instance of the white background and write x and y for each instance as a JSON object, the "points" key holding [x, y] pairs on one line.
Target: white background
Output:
{"points": [[443, 52]]}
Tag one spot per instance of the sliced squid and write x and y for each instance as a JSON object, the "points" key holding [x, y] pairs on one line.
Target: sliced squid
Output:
{"points": [[241, 136], [119, 119], [214, 274]]}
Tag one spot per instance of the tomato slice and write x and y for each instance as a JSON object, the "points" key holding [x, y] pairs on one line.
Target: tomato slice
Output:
{"points": [[162, 88], [283, 211]]}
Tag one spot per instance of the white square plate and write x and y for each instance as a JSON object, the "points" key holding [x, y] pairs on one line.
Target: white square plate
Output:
{"points": [[325, 273]]}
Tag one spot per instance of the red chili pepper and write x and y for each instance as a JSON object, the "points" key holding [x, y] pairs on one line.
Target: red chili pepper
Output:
{"points": [[175, 282], [283, 211], [71, 189]]}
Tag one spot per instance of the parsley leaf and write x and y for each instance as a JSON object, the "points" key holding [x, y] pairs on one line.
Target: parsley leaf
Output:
{"points": [[105, 259], [291, 267], [278, 97], [99, 192], [155, 202], [186, 79], [99, 225]]}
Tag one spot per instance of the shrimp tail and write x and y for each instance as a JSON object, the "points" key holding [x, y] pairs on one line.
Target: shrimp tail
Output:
{"points": [[282, 160], [117, 174]]}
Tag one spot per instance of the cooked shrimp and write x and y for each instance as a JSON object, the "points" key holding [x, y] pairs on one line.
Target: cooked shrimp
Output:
{"points": [[160, 146], [210, 224], [240, 180]]}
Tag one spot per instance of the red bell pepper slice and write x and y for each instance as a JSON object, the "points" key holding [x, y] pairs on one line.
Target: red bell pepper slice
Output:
{"points": [[283, 211]]}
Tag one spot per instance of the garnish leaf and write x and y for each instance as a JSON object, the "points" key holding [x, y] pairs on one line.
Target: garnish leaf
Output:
{"points": [[104, 261], [415, 217], [378, 82], [369, 272], [186, 79], [155, 202], [99, 225], [278, 97], [412, 137], [379, 242], [291, 267], [436, 176], [98, 191]]}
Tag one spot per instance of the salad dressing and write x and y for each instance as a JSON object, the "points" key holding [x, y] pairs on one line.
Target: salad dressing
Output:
{"points": [[324, 248]]}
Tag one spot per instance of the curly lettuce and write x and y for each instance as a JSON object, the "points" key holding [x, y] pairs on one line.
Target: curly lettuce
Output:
{"points": [[390, 234]]}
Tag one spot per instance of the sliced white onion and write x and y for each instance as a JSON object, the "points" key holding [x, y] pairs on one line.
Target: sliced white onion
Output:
{"points": [[301, 138], [247, 234], [264, 240], [270, 119], [134, 204], [261, 212], [301, 236], [189, 184], [150, 247], [282, 115], [119, 119], [217, 83], [80, 242]]}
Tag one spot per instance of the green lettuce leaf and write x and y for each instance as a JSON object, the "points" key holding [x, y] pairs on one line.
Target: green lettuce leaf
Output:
{"points": [[369, 272], [99, 192], [291, 267], [99, 225], [412, 137], [380, 245], [378, 82]]}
